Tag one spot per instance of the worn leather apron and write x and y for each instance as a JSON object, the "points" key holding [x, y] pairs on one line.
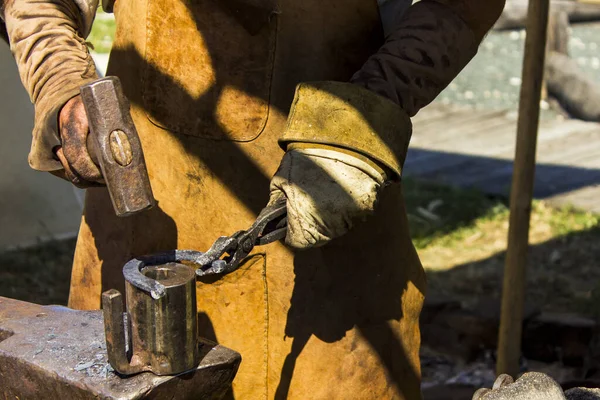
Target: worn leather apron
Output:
{"points": [[210, 84]]}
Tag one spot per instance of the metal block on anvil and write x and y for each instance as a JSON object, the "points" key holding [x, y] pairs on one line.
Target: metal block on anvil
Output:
{"points": [[53, 352]]}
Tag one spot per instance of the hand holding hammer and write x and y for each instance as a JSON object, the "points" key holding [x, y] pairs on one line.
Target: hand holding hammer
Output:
{"points": [[100, 145]]}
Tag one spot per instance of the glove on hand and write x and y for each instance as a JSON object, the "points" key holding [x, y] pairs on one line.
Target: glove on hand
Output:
{"points": [[326, 191], [343, 143], [530, 386], [533, 386]]}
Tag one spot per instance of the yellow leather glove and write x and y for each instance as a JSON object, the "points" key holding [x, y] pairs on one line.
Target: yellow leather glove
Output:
{"points": [[327, 191], [530, 386], [344, 144]]}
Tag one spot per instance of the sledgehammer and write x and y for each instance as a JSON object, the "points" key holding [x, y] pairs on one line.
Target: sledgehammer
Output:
{"points": [[115, 147]]}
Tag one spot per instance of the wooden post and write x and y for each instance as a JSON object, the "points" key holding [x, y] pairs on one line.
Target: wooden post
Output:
{"points": [[513, 291]]}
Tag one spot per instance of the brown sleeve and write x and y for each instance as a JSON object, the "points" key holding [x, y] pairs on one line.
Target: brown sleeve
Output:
{"points": [[53, 60], [430, 45]]}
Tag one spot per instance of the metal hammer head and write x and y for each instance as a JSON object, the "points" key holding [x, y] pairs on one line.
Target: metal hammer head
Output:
{"points": [[116, 146]]}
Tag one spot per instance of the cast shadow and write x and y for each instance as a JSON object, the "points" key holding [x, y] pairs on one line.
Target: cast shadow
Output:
{"points": [[336, 290], [128, 237], [208, 332]]}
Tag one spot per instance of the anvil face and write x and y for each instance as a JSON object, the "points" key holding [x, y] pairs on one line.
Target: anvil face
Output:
{"points": [[53, 352]]}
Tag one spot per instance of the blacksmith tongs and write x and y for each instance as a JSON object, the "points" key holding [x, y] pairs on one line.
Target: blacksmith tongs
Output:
{"points": [[225, 255]]}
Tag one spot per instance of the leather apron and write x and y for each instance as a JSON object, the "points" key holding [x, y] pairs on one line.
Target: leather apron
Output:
{"points": [[210, 83]]}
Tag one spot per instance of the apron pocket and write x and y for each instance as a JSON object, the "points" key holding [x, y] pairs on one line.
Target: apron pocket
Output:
{"points": [[209, 66]]}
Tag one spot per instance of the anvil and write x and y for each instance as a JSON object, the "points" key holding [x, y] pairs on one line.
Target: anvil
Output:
{"points": [[53, 352]]}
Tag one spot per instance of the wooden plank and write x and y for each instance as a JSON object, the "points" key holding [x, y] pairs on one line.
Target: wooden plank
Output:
{"points": [[476, 150], [571, 148], [550, 179], [436, 110], [500, 146], [432, 116], [584, 198], [552, 132], [432, 126], [438, 135], [472, 141], [484, 143], [499, 141]]}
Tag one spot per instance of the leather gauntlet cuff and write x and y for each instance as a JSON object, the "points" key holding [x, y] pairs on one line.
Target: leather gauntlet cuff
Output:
{"points": [[53, 60], [427, 49], [351, 117]]}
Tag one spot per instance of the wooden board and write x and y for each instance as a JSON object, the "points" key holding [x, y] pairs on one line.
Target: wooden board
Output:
{"points": [[475, 149]]}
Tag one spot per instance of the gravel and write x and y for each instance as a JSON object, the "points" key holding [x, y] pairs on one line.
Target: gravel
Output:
{"points": [[493, 78]]}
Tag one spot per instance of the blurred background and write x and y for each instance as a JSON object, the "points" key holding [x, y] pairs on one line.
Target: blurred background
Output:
{"points": [[457, 181]]}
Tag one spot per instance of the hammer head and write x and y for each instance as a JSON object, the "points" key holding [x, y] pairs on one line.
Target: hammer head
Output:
{"points": [[116, 146]]}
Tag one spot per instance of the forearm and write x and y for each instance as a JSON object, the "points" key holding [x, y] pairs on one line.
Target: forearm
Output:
{"points": [[429, 46], [47, 41]]}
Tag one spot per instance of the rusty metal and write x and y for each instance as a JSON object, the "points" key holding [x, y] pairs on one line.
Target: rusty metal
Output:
{"points": [[225, 255], [162, 330], [115, 146], [53, 352]]}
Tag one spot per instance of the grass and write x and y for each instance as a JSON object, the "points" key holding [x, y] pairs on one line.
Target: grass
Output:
{"points": [[103, 32], [444, 215], [444, 218], [461, 237]]}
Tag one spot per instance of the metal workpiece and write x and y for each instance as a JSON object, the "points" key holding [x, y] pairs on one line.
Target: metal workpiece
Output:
{"points": [[115, 146], [132, 271], [162, 330], [223, 257], [53, 352]]}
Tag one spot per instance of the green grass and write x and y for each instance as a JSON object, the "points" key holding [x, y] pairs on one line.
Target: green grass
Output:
{"points": [[567, 220], [446, 216], [440, 213], [103, 32], [461, 238]]}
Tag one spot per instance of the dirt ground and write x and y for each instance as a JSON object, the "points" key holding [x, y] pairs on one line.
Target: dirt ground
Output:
{"points": [[38, 274], [563, 269]]}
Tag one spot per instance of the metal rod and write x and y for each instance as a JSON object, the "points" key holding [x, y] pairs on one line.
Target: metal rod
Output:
{"points": [[513, 292]]}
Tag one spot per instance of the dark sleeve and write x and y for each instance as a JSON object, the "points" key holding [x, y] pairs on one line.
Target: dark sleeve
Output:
{"points": [[423, 52]]}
